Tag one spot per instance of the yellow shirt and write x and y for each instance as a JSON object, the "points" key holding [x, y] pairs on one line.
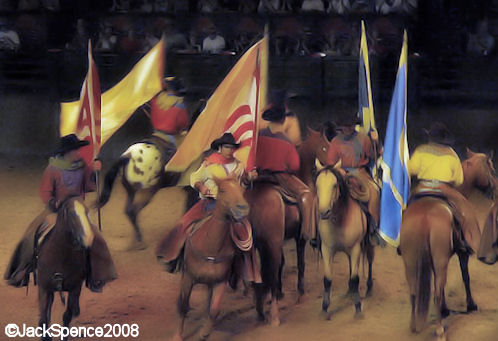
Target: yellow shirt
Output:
{"points": [[207, 172], [436, 162]]}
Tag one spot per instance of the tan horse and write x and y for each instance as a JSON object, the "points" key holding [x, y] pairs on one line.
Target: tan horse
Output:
{"points": [[426, 245], [209, 252], [342, 227]]}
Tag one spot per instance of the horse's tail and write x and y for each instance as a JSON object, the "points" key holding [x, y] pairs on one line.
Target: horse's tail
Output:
{"points": [[109, 180], [423, 286]]}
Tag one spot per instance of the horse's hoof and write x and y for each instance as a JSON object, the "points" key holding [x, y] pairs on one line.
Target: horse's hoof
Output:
{"points": [[325, 315], [440, 334], [301, 298], [275, 322], [472, 307]]}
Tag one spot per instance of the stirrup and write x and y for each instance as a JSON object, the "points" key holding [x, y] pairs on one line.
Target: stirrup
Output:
{"points": [[57, 280]]}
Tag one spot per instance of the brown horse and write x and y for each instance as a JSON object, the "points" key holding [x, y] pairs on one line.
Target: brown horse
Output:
{"points": [[426, 245], [209, 252], [274, 221], [63, 260], [342, 227]]}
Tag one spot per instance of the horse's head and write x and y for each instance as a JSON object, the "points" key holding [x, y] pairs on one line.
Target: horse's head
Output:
{"points": [[317, 144], [330, 187], [73, 220], [230, 200], [479, 171]]}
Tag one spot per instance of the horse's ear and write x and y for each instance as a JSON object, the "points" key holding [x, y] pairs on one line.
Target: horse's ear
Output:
{"points": [[470, 153], [318, 165], [311, 130], [338, 164]]}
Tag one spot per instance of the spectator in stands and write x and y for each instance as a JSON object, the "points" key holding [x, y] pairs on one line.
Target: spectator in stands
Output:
{"points": [[269, 6], [51, 5], [338, 37], [339, 6], [386, 36], [312, 6], [481, 43], [150, 40], [247, 32], [288, 36], [248, 6], [146, 6], [396, 6], [122, 6], [107, 41], [9, 39], [28, 5], [208, 6], [213, 43], [80, 38], [174, 40], [129, 43]]}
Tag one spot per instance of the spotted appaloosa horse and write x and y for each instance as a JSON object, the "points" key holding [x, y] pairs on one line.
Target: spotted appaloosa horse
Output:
{"points": [[142, 167], [343, 227], [426, 245], [63, 260]]}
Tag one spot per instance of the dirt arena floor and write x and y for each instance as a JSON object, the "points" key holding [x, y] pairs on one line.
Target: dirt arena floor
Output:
{"points": [[146, 294]]}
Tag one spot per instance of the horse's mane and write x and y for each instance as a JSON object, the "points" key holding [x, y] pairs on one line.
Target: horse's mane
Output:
{"points": [[341, 204]]}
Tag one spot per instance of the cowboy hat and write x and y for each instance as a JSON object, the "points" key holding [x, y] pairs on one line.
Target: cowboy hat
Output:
{"points": [[68, 143], [439, 133], [227, 138], [174, 84], [276, 110]]}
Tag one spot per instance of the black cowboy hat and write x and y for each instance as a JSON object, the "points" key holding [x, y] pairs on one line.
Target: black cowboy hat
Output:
{"points": [[174, 84], [68, 143], [276, 110], [439, 133], [227, 138]]}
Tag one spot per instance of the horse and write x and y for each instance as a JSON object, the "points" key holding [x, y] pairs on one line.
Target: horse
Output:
{"points": [[343, 227], [62, 263], [426, 245], [209, 252], [142, 167], [273, 220]]}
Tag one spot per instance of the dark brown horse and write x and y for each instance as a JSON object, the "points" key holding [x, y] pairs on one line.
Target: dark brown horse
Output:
{"points": [[63, 260], [274, 221], [209, 252], [343, 228], [426, 245]]}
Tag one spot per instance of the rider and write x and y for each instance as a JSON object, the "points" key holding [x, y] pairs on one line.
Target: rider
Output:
{"points": [[355, 151], [438, 168], [66, 175], [168, 114], [219, 164], [277, 160]]}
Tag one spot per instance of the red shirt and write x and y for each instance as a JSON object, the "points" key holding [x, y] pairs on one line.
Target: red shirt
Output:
{"points": [[276, 153], [60, 183], [168, 113], [354, 151]]}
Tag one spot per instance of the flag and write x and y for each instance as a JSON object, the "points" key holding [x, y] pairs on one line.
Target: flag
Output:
{"points": [[88, 121], [235, 107], [120, 102], [395, 178], [365, 103]]}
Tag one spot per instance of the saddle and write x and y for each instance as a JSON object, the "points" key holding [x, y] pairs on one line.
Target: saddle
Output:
{"points": [[287, 197]]}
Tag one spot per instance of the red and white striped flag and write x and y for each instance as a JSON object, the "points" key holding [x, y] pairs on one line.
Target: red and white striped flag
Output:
{"points": [[88, 127]]}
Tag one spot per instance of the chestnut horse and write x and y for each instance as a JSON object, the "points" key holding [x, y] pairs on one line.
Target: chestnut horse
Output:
{"points": [[209, 252], [343, 227], [63, 260], [274, 221], [426, 245]]}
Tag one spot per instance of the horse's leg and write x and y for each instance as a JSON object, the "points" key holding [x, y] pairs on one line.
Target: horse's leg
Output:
{"points": [[183, 303], [73, 306], [464, 267], [300, 246], [280, 292], [214, 305], [45, 300], [354, 280], [136, 202], [370, 257], [328, 258], [440, 275]]}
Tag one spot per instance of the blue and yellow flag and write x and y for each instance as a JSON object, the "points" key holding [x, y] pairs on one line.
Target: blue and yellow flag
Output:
{"points": [[365, 102], [395, 178]]}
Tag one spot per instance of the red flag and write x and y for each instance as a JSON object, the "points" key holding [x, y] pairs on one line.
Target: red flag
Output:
{"points": [[89, 127]]}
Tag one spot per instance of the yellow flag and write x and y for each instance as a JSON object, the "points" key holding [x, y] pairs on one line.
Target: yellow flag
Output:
{"points": [[234, 107], [365, 103], [120, 102]]}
